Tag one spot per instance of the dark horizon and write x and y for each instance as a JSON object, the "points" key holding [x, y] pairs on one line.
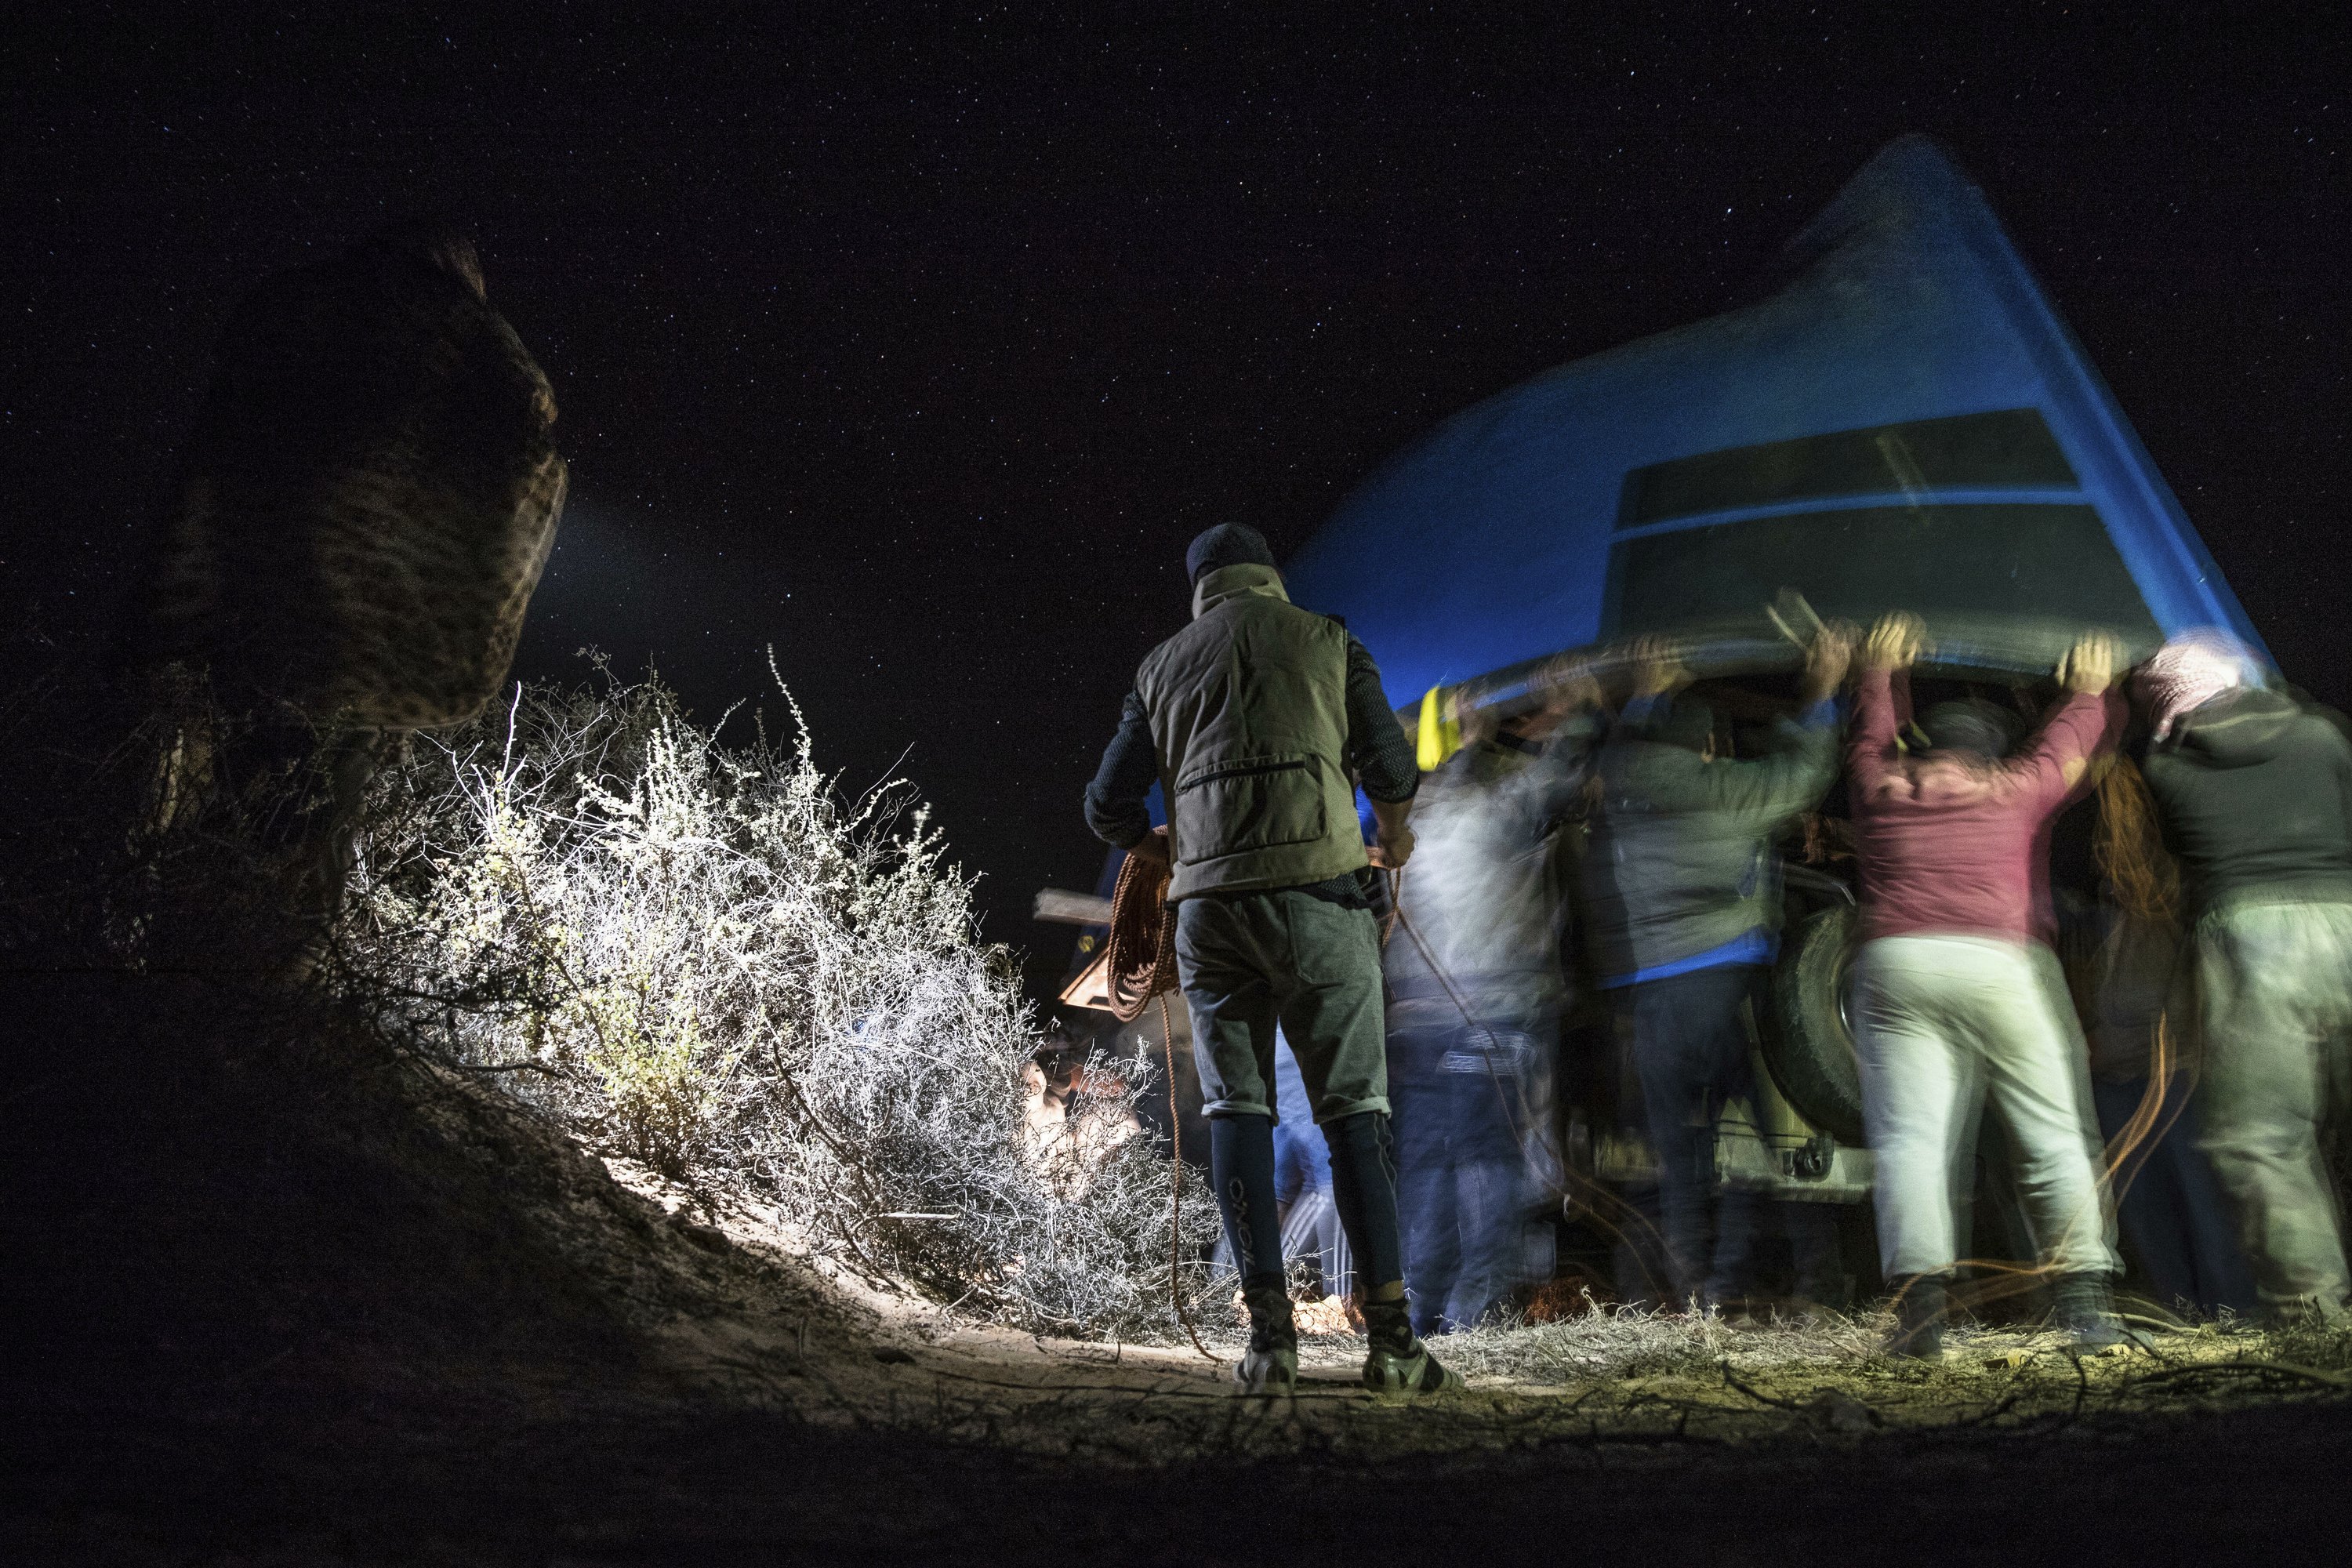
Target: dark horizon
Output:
{"points": [[919, 353]]}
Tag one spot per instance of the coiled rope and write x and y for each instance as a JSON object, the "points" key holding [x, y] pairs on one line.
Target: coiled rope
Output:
{"points": [[1140, 966], [1141, 959]]}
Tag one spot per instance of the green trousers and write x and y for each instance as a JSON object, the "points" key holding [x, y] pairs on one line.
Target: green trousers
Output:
{"points": [[2275, 982], [1249, 962]]}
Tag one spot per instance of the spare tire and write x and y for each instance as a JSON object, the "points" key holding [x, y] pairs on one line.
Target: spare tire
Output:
{"points": [[1810, 1048]]}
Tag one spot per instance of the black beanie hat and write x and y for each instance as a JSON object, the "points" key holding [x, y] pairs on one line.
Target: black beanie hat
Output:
{"points": [[1973, 725], [1228, 544]]}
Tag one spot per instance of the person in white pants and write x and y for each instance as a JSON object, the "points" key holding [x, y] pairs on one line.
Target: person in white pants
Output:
{"points": [[1947, 1024], [1959, 997]]}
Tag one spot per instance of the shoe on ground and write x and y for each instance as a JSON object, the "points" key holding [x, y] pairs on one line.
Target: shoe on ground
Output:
{"points": [[1270, 1365], [1399, 1363], [2084, 1310], [2306, 1312], [1413, 1373], [1270, 1370], [1925, 1342], [1921, 1309]]}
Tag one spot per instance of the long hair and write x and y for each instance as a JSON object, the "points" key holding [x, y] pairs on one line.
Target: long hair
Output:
{"points": [[2129, 847]]}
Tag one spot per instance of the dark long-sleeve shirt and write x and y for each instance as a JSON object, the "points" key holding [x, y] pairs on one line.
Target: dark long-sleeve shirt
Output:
{"points": [[2255, 794], [1376, 753], [1684, 873]]}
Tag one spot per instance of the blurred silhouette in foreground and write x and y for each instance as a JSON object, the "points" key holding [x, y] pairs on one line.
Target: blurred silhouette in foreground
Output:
{"points": [[2121, 949], [358, 522], [1476, 1002], [1684, 887]]}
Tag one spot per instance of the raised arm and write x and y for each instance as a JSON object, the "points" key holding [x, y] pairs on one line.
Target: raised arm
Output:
{"points": [[1571, 727], [1803, 763], [2085, 723], [1882, 696], [1791, 778], [1759, 793]]}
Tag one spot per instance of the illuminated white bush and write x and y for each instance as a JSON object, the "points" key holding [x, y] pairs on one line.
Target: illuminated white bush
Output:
{"points": [[703, 957]]}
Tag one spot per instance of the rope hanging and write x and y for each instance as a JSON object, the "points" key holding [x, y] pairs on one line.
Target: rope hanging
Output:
{"points": [[1139, 964]]}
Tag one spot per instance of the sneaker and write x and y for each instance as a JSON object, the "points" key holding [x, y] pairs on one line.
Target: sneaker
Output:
{"points": [[1270, 1365], [1920, 1309], [1399, 1363], [1418, 1373], [1269, 1369], [2084, 1310]]}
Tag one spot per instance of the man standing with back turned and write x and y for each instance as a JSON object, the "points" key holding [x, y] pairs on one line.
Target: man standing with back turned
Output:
{"points": [[1252, 720]]}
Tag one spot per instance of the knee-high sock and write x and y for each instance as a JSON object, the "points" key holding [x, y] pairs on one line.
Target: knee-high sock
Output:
{"points": [[1241, 1161], [1363, 1189]]}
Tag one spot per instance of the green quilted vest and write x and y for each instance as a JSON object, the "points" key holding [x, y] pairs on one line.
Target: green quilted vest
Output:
{"points": [[1249, 714]]}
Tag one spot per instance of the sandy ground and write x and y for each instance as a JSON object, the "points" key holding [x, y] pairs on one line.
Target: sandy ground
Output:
{"points": [[288, 1302], [1619, 1377]]}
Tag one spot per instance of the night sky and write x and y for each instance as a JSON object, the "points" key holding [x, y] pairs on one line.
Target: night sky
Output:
{"points": [[918, 347]]}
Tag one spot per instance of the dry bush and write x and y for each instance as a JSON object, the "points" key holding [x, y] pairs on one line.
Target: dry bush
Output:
{"points": [[704, 957]]}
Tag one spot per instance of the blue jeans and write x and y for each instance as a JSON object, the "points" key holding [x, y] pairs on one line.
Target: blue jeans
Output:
{"points": [[2173, 1213], [1690, 1054], [1466, 1194]]}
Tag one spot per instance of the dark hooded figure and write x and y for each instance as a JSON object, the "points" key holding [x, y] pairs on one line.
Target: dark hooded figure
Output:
{"points": [[2253, 790], [358, 521]]}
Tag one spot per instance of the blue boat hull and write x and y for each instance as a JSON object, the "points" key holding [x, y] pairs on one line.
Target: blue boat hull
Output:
{"points": [[1903, 421]]}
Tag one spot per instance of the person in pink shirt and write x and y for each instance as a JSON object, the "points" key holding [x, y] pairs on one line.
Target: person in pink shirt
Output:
{"points": [[1958, 998]]}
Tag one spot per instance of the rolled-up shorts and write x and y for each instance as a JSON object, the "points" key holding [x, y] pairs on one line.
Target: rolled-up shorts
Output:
{"points": [[1251, 962]]}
